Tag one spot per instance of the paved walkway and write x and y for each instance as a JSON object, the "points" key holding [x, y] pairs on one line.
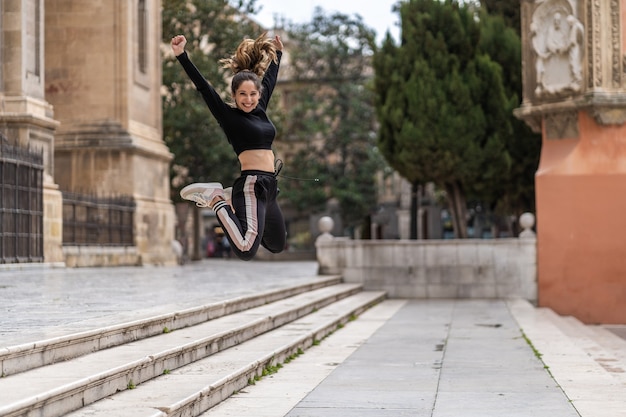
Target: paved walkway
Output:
{"points": [[435, 358], [41, 302], [426, 358], [459, 358]]}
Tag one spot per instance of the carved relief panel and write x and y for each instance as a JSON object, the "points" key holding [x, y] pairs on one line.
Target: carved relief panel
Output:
{"points": [[572, 47], [573, 58], [558, 43]]}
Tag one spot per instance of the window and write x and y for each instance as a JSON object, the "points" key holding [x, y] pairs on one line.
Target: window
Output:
{"points": [[142, 36]]}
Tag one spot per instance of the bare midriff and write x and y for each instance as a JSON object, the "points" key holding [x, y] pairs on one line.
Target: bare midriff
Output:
{"points": [[257, 159]]}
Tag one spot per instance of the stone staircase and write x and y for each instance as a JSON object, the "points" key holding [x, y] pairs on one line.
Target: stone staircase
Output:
{"points": [[177, 364], [587, 361]]}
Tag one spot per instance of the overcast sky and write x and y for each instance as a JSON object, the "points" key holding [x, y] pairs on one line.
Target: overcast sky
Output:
{"points": [[377, 14]]}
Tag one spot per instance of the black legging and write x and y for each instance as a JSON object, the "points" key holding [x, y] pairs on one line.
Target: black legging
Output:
{"points": [[257, 219]]}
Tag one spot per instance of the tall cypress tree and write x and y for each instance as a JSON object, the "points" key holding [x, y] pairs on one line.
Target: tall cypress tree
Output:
{"points": [[509, 10], [500, 39], [441, 104]]}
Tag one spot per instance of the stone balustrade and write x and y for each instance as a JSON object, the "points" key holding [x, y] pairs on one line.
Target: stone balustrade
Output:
{"points": [[457, 268]]}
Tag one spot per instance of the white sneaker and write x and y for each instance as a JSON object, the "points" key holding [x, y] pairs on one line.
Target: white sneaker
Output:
{"points": [[202, 193]]}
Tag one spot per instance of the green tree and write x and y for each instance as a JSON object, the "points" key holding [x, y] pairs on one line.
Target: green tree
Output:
{"points": [[509, 10], [330, 68], [501, 41], [213, 29], [441, 105]]}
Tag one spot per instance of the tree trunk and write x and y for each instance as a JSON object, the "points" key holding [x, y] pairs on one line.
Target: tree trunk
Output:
{"points": [[414, 210], [458, 209], [366, 232]]}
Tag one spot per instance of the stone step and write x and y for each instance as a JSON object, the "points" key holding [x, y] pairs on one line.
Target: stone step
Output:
{"points": [[618, 330], [193, 389], [609, 339], [588, 385], [605, 348], [19, 358], [383, 366], [58, 388]]}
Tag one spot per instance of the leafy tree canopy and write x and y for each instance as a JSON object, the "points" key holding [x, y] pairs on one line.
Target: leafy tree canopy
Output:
{"points": [[509, 10], [441, 104], [330, 70], [515, 193]]}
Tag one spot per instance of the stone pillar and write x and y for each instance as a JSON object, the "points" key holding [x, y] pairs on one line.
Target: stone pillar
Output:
{"points": [[103, 75], [327, 259], [26, 118], [575, 95]]}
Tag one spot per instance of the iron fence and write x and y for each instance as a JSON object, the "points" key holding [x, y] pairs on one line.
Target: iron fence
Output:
{"points": [[21, 204], [97, 221]]}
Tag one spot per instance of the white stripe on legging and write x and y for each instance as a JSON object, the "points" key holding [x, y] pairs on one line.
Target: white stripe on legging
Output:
{"points": [[243, 243]]}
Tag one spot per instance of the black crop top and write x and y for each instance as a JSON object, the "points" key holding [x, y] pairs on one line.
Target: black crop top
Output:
{"points": [[244, 131]]}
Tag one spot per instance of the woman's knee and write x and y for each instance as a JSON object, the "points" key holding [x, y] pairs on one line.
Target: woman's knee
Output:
{"points": [[245, 256], [275, 245]]}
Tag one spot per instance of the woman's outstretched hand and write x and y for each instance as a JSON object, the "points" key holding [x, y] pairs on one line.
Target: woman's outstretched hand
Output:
{"points": [[278, 44], [178, 44]]}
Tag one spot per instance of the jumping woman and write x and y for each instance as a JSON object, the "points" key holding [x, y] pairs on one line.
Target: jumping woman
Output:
{"points": [[252, 217]]}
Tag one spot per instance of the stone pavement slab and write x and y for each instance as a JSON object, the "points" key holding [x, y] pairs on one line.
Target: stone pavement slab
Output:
{"points": [[441, 358], [435, 358], [490, 370], [38, 303]]}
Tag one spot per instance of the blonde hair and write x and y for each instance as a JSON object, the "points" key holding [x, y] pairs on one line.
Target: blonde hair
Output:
{"points": [[252, 55]]}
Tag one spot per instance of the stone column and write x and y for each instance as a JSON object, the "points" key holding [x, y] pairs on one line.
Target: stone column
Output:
{"points": [[575, 95], [103, 75], [26, 118]]}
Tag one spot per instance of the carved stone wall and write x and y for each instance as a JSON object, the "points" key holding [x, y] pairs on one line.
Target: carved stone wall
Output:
{"points": [[572, 60], [557, 39]]}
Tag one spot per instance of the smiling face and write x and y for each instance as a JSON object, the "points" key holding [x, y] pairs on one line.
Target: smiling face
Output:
{"points": [[247, 96]]}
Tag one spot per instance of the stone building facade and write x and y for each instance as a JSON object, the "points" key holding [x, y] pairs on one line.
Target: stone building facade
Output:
{"points": [[574, 73], [81, 81]]}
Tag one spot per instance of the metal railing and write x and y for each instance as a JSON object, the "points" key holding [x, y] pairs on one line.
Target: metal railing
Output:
{"points": [[97, 221], [21, 204]]}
